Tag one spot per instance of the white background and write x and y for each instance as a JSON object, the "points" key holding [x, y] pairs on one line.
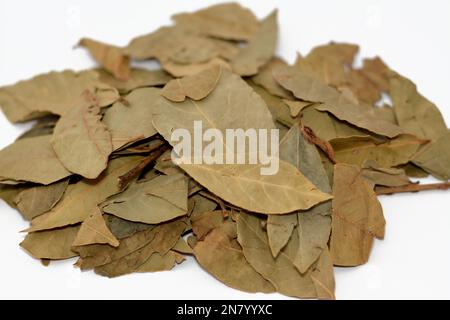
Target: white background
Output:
{"points": [[413, 262]]}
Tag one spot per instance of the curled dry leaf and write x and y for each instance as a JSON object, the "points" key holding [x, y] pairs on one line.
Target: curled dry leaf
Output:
{"points": [[358, 150], [15, 162], [109, 57], [241, 185], [35, 201], [55, 93], [228, 21], [281, 271], [158, 200], [132, 122], [222, 256], [259, 50], [182, 70], [307, 88], [52, 244], [139, 78], [195, 87], [357, 217], [94, 230], [82, 142], [164, 237], [82, 198], [265, 79]]}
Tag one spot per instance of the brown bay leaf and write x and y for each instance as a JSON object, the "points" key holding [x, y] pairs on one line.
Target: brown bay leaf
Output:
{"points": [[280, 271], [265, 79], [158, 262], [54, 92], [434, 157], [358, 150], [139, 78], [132, 122], [122, 228], [46, 168], [94, 230], [228, 21], [283, 192], [389, 177], [109, 57], [158, 200], [313, 225], [53, 244], [259, 50], [222, 256], [195, 87], [307, 88], [357, 217], [35, 201], [82, 198], [182, 70], [82, 142], [414, 113], [165, 236]]}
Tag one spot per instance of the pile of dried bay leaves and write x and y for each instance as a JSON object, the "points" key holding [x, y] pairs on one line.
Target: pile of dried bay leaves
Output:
{"points": [[94, 174]]}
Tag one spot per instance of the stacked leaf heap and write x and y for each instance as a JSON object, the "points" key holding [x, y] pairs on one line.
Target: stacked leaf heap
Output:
{"points": [[94, 174]]}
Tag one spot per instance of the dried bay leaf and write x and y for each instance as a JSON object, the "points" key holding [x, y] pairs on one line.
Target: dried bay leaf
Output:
{"points": [[165, 164], [139, 78], [15, 162], [96, 255], [200, 204], [122, 228], [44, 126], [327, 127], [357, 150], [307, 88], [279, 230], [357, 217], [182, 70], [323, 276], [164, 238], [35, 201], [54, 92], [313, 225], [205, 222], [414, 113], [8, 193], [158, 262], [157, 200], [94, 230], [283, 192], [82, 142], [195, 87], [435, 157], [182, 247], [110, 57], [280, 271], [265, 79], [53, 244], [279, 109], [328, 62], [82, 198], [389, 177], [228, 21], [259, 50], [222, 256], [132, 122], [295, 106]]}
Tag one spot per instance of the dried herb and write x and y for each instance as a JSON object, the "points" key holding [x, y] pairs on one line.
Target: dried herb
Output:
{"points": [[103, 174]]}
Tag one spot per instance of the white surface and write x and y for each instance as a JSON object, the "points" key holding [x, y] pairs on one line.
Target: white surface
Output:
{"points": [[411, 36]]}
